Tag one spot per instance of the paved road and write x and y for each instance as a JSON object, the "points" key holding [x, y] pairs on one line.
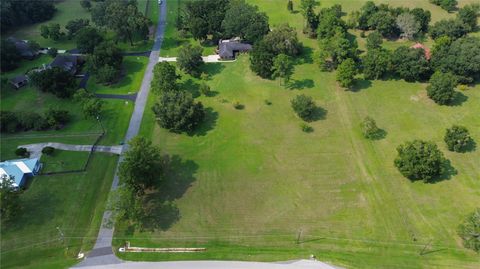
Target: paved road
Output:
{"points": [[36, 149], [102, 254], [300, 264]]}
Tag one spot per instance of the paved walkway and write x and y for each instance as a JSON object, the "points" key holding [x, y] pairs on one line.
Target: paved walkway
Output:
{"points": [[215, 58], [300, 264], [102, 254], [36, 149]]}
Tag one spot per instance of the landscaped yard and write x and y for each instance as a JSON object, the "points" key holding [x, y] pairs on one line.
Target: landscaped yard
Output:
{"points": [[252, 186]]}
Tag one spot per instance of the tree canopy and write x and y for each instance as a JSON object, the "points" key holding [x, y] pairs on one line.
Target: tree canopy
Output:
{"points": [[203, 18], [304, 106], [190, 59], [457, 138], [346, 72], [376, 63], [54, 80], [442, 88], [410, 64], [420, 160], [164, 78], [87, 39], [141, 165], [469, 231], [9, 55], [14, 13], [283, 67], [9, 198], [245, 21], [178, 112]]}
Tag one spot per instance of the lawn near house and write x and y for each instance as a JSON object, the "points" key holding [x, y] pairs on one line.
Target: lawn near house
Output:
{"points": [[132, 75], [62, 160], [72, 202], [253, 186]]}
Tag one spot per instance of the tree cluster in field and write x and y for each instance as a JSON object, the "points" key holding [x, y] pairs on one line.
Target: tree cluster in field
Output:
{"points": [[271, 56], [15, 13], [469, 231], [455, 58], [92, 107], [175, 109], [304, 107], [11, 122], [223, 19]]}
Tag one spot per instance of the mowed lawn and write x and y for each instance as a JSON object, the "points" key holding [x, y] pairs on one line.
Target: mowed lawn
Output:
{"points": [[72, 202], [252, 186]]}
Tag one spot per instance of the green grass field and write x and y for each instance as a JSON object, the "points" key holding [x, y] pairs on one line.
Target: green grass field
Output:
{"points": [[252, 186]]}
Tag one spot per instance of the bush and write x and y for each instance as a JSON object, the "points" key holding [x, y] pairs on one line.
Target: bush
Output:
{"points": [[57, 118], [306, 128], [469, 231], [457, 138], [304, 106], [442, 88], [237, 105], [369, 128], [22, 152], [267, 102], [205, 89], [48, 150], [420, 160]]}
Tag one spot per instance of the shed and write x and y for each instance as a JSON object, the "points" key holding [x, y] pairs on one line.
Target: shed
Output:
{"points": [[228, 49], [19, 81], [20, 169]]}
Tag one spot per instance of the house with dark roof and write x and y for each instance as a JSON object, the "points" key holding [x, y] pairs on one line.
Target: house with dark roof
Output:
{"points": [[66, 62], [20, 170], [228, 49], [24, 48], [19, 81]]}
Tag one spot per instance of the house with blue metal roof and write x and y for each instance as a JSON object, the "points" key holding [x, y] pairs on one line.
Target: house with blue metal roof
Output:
{"points": [[20, 170]]}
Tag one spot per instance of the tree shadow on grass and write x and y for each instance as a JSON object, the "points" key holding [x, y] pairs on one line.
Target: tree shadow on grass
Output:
{"points": [[212, 69], [160, 209], [379, 135], [319, 113], [301, 84], [209, 123], [361, 84], [448, 172], [460, 98], [306, 57], [190, 86]]}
